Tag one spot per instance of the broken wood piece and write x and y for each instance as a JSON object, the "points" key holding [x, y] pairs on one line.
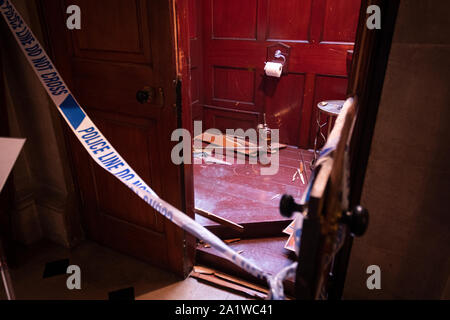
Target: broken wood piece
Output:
{"points": [[218, 219], [230, 285], [275, 196], [301, 170], [203, 270], [235, 280], [295, 175], [224, 142], [228, 241], [301, 176], [273, 146], [241, 282]]}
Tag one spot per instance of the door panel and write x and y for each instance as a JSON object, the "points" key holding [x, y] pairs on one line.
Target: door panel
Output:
{"points": [[122, 47], [340, 20], [127, 22], [223, 119], [234, 87], [234, 19], [236, 35], [114, 200], [284, 99], [194, 24], [288, 20]]}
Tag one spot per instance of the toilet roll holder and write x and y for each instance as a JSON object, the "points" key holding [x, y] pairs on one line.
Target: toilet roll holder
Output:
{"points": [[278, 55], [279, 52]]}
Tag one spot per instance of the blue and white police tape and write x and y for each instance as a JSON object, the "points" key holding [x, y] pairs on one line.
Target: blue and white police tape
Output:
{"points": [[98, 146], [276, 283]]}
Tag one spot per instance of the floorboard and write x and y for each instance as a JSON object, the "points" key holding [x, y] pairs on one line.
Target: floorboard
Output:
{"points": [[241, 194]]}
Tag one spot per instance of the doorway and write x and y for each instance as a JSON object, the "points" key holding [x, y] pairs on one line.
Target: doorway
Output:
{"points": [[229, 105], [229, 43]]}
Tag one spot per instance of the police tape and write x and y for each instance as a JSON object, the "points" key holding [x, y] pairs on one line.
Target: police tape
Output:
{"points": [[98, 146]]}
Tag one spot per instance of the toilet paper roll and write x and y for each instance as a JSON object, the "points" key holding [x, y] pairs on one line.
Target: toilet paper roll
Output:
{"points": [[273, 69]]}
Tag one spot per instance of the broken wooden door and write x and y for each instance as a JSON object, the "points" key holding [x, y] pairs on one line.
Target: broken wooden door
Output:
{"points": [[328, 220]]}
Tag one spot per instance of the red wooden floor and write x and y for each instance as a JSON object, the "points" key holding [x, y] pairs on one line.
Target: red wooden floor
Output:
{"points": [[241, 194]]}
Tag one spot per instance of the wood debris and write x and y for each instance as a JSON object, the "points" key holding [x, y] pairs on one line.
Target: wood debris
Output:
{"points": [[230, 282]]}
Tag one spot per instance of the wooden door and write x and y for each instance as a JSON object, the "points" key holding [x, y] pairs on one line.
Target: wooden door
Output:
{"points": [[326, 224], [122, 47], [236, 35], [7, 193]]}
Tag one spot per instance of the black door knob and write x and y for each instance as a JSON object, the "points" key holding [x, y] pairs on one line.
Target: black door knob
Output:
{"points": [[357, 220], [288, 206], [145, 95]]}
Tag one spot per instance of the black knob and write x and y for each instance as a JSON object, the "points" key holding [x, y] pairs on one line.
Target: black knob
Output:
{"points": [[142, 96], [145, 95], [357, 220], [288, 206]]}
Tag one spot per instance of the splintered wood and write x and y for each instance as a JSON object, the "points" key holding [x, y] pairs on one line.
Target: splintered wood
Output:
{"points": [[238, 144], [328, 199], [218, 219], [223, 280]]}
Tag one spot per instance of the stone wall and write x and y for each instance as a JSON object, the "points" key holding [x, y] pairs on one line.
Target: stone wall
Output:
{"points": [[407, 183]]}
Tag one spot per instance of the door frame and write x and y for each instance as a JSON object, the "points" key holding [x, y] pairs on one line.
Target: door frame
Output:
{"points": [[366, 83], [184, 110], [371, 54]]}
